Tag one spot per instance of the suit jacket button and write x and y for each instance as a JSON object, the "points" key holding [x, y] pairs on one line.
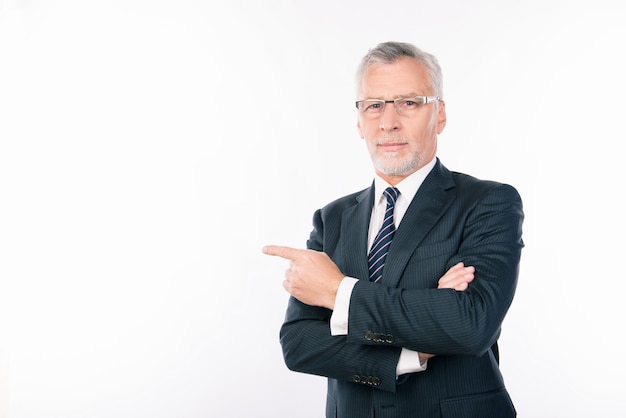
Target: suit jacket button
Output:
{"points": [[376, 381], [389, 338], [369, 335], [356, 378]]}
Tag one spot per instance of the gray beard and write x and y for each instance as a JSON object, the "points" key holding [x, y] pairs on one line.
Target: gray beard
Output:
{"points": [[390, 166]]}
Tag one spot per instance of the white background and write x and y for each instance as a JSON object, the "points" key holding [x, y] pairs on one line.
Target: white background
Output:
{"points": [[144, 143]]}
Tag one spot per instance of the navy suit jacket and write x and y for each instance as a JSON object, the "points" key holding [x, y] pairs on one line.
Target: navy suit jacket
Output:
{"points": [[453, 217]]}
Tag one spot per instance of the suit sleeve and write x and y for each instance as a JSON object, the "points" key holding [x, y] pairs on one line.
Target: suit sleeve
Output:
{"points": [[445, 321], [309, 347]]}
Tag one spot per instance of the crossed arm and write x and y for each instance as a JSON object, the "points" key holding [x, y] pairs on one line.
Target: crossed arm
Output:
{"points": [[313, 278]]}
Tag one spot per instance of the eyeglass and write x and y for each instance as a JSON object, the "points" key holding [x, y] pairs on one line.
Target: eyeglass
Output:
{"points": [[405, 106]]}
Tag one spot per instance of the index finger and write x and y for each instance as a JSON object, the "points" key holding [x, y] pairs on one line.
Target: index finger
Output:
{"points": [[281, 251]]}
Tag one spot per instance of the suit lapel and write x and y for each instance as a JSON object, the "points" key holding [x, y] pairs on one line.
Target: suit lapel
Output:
{"points": [[429, 204], [354, 229]]}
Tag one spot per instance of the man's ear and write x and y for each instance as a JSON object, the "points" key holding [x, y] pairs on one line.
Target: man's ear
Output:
{"points": [[358, 127], [441, 117]]}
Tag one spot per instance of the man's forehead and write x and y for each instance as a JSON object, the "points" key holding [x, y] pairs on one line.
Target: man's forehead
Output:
{"points": [[401, 78]]}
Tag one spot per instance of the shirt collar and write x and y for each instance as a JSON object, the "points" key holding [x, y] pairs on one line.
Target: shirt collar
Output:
{"points": [[408, 186]]}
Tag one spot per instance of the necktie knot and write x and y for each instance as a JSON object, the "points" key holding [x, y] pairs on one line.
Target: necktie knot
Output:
{"points": [[391, 194]]}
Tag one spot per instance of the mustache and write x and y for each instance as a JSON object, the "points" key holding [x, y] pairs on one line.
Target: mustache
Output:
{"points": [[391, 139]]}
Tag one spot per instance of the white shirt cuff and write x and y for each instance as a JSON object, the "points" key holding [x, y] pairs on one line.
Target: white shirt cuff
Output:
{"points": [[409, 362], [339, 318]]}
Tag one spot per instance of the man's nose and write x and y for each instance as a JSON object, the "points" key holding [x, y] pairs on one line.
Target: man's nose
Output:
{"points": [[390, 120]]}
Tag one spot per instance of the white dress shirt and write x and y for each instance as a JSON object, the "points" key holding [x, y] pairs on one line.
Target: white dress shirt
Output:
{"points": [[409, 360]]}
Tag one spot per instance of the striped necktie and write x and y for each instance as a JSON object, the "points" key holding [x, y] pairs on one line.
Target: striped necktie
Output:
{"points": [[378, 252]]}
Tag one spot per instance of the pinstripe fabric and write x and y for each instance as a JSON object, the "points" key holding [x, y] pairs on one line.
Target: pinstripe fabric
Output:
{"points": [[380, 247], [453, 217]]}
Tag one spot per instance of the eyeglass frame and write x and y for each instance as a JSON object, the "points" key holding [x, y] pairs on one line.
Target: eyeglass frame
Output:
{"points": [[425, 100]]}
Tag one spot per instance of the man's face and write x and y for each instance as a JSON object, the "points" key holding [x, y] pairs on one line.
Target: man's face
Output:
{"points": [[400, 144]]}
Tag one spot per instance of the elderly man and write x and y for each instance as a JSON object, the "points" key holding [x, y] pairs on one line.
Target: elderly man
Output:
{"points": [[400, 295]]}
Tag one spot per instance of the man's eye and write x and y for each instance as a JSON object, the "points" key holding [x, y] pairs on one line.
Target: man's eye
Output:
{"points": [[409, 104], [373, 106]]}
